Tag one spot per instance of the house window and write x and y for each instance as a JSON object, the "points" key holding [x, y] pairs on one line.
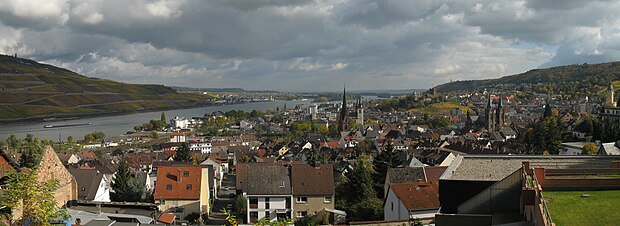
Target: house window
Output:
{"points": [[302, 199], [267, 215], [392, 205], [302, 213], [169, 187], [253, 203], [253, 214], [186, 173], [327, 199], [266, 203], [188, 187]]}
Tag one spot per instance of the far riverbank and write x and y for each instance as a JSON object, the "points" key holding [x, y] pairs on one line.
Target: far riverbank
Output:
{"points": [[120, 123]]}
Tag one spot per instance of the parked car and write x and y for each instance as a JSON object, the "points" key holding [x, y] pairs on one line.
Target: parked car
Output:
{"points": [[229, 206], [232, 195]]}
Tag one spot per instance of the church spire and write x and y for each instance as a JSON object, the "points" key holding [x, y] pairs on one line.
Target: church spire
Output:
{"points": [[490, 103], [344, 97], [343, 119]]}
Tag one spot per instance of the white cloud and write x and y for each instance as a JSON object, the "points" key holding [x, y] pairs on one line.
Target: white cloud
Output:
{"points": [[309, 44], [339, 66]]}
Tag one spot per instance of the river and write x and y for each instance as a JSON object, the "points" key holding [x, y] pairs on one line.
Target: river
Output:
{"points": [[116, 125]]}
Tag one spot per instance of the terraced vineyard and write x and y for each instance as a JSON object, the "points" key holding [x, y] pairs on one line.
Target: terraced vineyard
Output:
{"points": [[34, 91]]}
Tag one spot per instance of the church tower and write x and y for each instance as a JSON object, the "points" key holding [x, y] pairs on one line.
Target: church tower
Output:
{"points": [[611, 111], [489, 115], [499, 115], [610, 101], [344, 123], [360, 113]]}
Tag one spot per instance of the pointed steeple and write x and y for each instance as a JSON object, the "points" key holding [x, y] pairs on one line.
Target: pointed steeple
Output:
{"points": [[490, 103], [343, 120], [344, 97], [501, 98]]}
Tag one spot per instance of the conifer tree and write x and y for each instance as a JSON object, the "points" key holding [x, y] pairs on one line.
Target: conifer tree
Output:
{"points": [[384, 161], [183, 154], [125, 188]]}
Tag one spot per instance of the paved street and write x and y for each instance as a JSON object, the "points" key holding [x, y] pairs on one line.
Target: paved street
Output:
{"points": [[223, 199]]}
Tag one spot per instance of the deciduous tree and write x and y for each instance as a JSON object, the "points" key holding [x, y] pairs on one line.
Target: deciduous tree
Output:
{"points": [[589, 149], [35, 199], [31, 157]]}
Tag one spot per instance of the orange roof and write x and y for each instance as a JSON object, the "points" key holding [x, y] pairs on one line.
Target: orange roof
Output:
{"points": [[167, 218], [434, 172], [333, 144], [178, 182], [417, 195]]}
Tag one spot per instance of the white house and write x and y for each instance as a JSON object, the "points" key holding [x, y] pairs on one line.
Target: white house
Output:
{"points": [[412, 200], [217, 171], [203, 147], [177, 137], [417, 128], [268, 198], [572, 148], [92, 185], [179, 123], [246, 125]]}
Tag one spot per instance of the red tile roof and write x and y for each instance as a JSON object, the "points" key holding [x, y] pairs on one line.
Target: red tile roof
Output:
{"points": [[167, 218], [417, 195], [434, 172], [174, 176], [333, 144]]}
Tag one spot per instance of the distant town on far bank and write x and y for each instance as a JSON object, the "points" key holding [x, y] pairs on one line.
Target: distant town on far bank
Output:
{"points": [[501, 151]]}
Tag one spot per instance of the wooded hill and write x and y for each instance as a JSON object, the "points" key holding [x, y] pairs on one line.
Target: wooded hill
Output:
{"points": [[33, 91], [567, 80]]}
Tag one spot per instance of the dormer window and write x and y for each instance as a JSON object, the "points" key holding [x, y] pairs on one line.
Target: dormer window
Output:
{"points": [[282, 184], [169, 187], [186, 173]]}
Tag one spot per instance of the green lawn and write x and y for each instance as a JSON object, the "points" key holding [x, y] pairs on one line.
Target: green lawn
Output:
{"points": [[569, 208]]}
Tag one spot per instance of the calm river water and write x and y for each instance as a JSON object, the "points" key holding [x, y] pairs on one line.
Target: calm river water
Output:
{"points": [[117, 125]]}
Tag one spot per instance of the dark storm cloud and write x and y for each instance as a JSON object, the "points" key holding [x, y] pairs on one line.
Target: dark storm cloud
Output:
{"points": [[308, 45]]}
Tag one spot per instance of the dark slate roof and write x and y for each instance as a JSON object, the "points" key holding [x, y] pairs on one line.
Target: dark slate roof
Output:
{"points": [[267, 179], [87, 182], [406, 174], [99, 223], [309, 180]]}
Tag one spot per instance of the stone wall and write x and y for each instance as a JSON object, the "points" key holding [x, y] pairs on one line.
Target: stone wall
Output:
{"points": [[52, 168]]}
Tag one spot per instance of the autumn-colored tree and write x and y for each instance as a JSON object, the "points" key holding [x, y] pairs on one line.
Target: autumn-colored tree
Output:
{"points": [[589, 149], [22, 191]]}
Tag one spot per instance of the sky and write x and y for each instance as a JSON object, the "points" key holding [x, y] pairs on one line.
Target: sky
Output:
{"points": [[309, 45]]}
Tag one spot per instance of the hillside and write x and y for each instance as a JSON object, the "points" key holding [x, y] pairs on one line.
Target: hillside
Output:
{"points": [[569, 80], [34, 91]]}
